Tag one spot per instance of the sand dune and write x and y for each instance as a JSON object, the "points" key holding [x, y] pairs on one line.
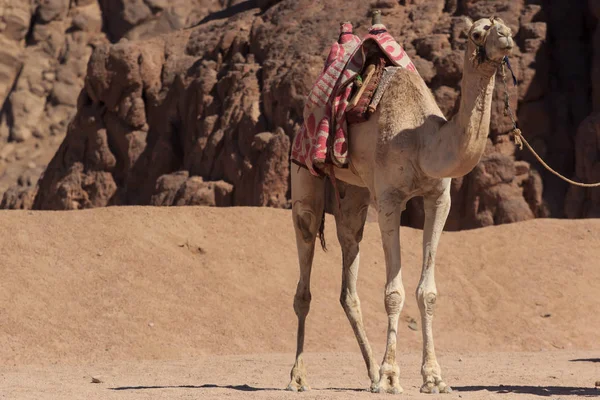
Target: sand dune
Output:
{"points": [[163, 283]]}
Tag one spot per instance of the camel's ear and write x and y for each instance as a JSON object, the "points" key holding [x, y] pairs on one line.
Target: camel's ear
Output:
{"points": [[468, 24]]}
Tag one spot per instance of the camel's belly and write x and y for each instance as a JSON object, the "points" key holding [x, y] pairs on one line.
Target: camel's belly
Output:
{"points": [[346, 175]]}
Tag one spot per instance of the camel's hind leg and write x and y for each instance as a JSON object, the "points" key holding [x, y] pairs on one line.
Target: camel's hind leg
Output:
{"points": [[437, 207], [308, 194], [389, 212], [350, 220]]}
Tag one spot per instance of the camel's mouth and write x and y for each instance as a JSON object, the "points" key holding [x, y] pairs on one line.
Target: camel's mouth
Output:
{"points": [[493, 48], [506, 43]]}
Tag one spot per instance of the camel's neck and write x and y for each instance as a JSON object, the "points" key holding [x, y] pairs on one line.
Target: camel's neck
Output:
{"points": [[456, 148]]}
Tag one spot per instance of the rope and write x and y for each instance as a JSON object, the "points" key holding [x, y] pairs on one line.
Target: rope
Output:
{"points": [[520, 139]]}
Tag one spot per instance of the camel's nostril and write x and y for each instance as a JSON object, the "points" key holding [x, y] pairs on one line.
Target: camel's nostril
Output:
{"points": [[506, 42]]}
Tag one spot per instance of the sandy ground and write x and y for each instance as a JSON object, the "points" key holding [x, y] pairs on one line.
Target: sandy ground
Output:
{"points": [[556, 374], [196, 302]]}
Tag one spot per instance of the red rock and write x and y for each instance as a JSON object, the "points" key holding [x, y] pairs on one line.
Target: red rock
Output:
{"points": [[532, 13], [425, 68], [533, 30], [167, 187], [582, 202], [534, 77], [508, 10], [447, 98], [431, 45], [595, 71], [449, 67], [221, 101], [18, 198], [49, 10]]}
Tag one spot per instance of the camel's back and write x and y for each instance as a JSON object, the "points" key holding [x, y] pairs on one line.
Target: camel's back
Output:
{"points": [[406, 112]]}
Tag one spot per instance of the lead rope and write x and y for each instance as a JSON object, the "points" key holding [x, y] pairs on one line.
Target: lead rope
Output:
{"points": [[518, 136]]}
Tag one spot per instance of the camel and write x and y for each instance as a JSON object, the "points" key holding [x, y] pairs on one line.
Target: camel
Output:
{"points": [[407, 148]]}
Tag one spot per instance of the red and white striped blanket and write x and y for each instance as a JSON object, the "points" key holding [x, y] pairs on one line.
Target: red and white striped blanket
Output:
{"points": [[325, 107]]}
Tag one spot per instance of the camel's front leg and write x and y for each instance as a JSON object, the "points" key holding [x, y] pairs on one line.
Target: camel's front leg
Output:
{"points": [[436, 212], [389, 224]]}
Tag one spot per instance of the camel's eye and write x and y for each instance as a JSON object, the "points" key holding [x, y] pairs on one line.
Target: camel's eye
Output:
{"points": [[476, 35], [487, 27]]}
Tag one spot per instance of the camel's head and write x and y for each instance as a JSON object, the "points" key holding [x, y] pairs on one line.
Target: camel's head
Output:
{"points": [[492, 39]]}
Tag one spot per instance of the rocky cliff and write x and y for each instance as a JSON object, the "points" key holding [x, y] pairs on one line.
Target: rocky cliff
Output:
{"points": [[45, 48], [205, 114]]}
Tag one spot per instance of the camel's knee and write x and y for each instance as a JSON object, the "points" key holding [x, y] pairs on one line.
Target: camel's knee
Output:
{"points": [[349, 301], [302, 303], [306, 224], [349, 239], [426, 300], [351, 226], [394, 302]]}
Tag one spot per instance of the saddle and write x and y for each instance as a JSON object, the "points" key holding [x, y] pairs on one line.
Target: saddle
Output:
{"points": [[347, 92], [361, 105]]}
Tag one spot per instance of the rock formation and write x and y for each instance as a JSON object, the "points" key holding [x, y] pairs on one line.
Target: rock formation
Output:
{"points": [[45, 48], [205, 115]]}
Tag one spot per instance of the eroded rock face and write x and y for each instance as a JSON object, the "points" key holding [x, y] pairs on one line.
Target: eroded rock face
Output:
{"points": [[17, 198], [150, 109], [42, 68], [179, 189], [583, 202], [223, 100], [555, 96], [142, 19], [44, 50], [205, 115]]}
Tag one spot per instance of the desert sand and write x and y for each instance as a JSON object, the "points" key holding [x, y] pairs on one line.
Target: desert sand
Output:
{"points": [[194, 302]]}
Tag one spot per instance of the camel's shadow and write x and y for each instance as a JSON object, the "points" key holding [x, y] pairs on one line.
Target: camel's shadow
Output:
{"points": [[592, 360], [241, 388], [535, 390]]}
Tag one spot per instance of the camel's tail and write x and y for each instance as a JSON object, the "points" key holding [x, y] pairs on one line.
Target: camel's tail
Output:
{"points": [[322, 232]]}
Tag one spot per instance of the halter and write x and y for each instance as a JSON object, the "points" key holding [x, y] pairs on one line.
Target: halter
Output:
{"points": [[481, 54]]}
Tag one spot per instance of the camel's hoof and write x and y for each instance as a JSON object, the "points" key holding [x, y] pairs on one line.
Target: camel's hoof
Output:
{"points": [[291, 388], [395, 390], [431, 388], [294, 387], [389, 390], [389, 383]]}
